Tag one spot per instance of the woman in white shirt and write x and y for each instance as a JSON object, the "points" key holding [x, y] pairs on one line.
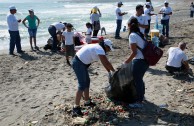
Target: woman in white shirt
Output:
{"points": [[83, 58], [95, 20], [139, 65]]}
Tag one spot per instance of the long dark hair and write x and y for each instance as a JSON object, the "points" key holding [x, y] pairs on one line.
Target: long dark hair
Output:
{"points": [[134, 27]]}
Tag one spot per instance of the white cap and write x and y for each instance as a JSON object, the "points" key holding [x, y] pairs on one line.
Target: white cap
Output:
{"points": [[165, 1], [31, 10], [148, 3], [12, 8], [108, 42], [120, 3]]}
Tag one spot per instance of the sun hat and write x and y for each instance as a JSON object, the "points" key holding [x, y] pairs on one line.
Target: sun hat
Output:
{"points": [[31, 10], [108, 43], [120, 3], [12, 8]]}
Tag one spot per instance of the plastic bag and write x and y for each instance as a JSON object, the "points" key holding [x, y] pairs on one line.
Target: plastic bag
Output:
{"points": [[121, 86]]}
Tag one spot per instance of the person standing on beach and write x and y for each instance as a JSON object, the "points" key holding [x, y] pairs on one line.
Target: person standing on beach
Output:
{"points": [[88, 32], [148, 14], [53, 30], [69, 40], [139, 65], [151, 7], [82, 60], [95, 20], [32, 27], [13, 29], [177, 59], [142, 20], [166, 11], [119, 18], [191, 9]]}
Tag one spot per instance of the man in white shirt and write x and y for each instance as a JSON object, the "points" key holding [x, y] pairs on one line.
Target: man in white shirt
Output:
{"points": [[142, 20], [119, 18], [177, 60], [14, 31], [53, 29], [148, 14], [166, 11]]}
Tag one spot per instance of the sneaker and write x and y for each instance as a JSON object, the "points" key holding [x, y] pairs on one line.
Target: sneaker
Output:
{"points": [[36, 47], [21, 51], [12, 54], [91, 104], [136, 105], [118, 37], [77, 112]]}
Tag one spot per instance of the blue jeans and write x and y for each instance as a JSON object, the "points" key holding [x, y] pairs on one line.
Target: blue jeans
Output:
{"points": [[139, 67], [119, 23], [81, 71], [165, 29], [53, 32], [32, 32], [14, 41]]}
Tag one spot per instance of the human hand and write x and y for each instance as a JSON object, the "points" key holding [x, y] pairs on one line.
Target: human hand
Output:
{"points": [[19, 20]]}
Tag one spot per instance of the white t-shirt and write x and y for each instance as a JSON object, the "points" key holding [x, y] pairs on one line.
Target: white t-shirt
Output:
{"points": [[166, 10], [58, 26], [89, 31], [176, 56], [117, 11], [192, 7], [68, 37], [146, 13], [89, 53], [141, 19], [12, 22], [95, 17], [135, 38]]}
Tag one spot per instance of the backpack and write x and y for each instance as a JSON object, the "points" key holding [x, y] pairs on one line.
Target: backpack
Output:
{"points": [[151, 53]]}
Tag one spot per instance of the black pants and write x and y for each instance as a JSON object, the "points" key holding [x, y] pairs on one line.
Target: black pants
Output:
{"points": [[52, 30], [172, 69], [95, 33]]}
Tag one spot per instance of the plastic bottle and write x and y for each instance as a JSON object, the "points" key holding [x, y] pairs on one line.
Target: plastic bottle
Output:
{"points": [[155, 40]]}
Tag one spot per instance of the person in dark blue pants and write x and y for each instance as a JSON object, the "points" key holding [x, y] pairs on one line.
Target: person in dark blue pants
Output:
{"points": [[139, 65], [53, 29], [119, 17], [165, 11], [13, 31]]}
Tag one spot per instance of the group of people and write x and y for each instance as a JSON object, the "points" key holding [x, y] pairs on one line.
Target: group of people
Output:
{"points": [[143, 15], [138, 29]]}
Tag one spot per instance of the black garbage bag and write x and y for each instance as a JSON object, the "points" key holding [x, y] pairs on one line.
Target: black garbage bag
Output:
{"points": [[121, 86]]}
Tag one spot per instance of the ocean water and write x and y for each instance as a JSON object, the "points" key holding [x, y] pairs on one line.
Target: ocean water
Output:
{"points": [[71, 11]]}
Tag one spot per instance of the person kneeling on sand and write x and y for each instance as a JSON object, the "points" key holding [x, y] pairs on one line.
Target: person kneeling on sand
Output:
{"points": [[82, 60], [177, 59]]}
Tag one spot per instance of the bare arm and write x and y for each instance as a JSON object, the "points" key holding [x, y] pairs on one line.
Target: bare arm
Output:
{"points": [[186, 64], [38, 21], [107, 65], [133, 54], [24, 23]]}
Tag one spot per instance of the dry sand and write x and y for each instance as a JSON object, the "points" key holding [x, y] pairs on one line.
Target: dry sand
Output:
{"points": [[38, 88]]}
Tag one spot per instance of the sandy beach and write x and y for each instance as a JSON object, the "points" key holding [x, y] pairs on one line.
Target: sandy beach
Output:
{"points": [[38, 88]]}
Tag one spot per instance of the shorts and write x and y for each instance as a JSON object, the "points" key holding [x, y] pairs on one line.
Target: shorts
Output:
{"points": [[70, 50], [32, 32]]}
